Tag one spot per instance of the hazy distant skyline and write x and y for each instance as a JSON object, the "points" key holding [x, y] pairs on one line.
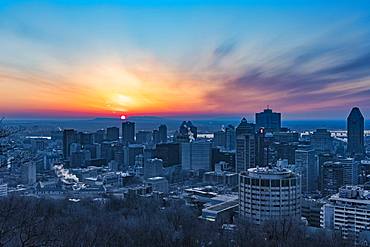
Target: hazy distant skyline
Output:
{"points": [[306, 59]]}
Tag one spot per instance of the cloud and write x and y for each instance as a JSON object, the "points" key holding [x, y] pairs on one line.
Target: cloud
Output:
{"points": [[307, 78], [225, 49]]}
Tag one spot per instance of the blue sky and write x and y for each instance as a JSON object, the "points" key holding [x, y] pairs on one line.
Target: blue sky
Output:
{"points": [[305, 58]]}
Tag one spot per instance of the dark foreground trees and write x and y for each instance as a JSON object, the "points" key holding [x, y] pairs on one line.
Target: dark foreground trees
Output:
{"points": [[26, 221]]}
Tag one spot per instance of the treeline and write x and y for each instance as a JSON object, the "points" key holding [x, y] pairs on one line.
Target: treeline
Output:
{"points": [[27, 221]]}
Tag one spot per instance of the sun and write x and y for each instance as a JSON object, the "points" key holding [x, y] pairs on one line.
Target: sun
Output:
{"points": [[123, 117]]}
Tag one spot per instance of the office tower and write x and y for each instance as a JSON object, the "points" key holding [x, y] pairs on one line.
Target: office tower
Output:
{"points": [[69, 137], [321, 159], [245, 146], [155, 137], [245, 152], [130, 153], [245, 128], [347, 212], [269, 120], [230, 137], [128, 132], [331, 177], [143, 137], [350, 171], [322, 141], [355, 132], [162, 133], [85, 138], [112, 134], [219, 139], [28, 173], [99, 136], [107, 151], [153, 168], [119, 156], [196, 155], [269, 193], [169, 153], [187, 133], [306, 163]]}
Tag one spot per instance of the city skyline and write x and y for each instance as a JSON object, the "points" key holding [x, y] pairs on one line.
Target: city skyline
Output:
{"points": [[306, 59]]}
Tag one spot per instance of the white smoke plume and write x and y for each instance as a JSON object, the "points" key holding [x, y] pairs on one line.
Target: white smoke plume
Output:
{"points": [[64, 175]]}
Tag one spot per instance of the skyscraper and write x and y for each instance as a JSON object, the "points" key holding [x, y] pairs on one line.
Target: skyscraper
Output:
{"points": [[355, 132], [128, 132], [245, 128], [308, 167], [196, 155], [321, 140], [245, 146], [245, 152], [230, 137], [143, 137], [269, 120], [162, 133], [69, 137], [112, 134], [268, 193]]}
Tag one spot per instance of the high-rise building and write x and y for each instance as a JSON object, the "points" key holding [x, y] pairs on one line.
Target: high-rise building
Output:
{"points": [[219, 139], [85, 138], [331, 177], [99, 136], [143, 137], [162, 133], [350, 171], [355, 132], [245, 146], [322, 141], [112, 134], [196, 155], [269, 120], [306, 163], [245, 152], [187, 132], [169, 153], [347, 212], [128, 132], [130, 153], [269, 193], [69, 137], [155, 137], [245, 128], [230, 137]]}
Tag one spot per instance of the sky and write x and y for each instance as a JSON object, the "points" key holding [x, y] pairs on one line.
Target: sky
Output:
{"points": [[306, 59]]}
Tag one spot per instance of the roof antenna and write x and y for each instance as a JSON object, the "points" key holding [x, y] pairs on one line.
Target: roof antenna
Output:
{"points": [[268, 107]]}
